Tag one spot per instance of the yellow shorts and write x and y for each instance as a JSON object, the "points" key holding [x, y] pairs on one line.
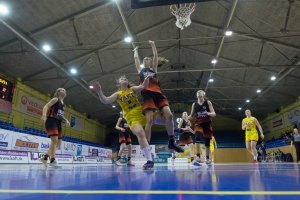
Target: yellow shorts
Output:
{"points": [[135, 116], [251, 136], [212, 148]]}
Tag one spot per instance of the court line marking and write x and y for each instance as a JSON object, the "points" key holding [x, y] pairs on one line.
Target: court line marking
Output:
{"points": [[164, 192]]}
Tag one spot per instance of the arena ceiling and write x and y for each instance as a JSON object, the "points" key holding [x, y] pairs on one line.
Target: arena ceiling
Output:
{"points": [[88, 35]]}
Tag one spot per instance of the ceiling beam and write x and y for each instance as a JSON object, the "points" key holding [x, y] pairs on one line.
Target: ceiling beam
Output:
{"points": [[58, 64], [61, 21], [229, 18], [115, 43], [226, 59], [247, 35], [285, 73]]}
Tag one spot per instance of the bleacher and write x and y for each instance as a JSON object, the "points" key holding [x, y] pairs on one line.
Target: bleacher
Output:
{"points": [[42, 133], [276, 143], [228, 139]]}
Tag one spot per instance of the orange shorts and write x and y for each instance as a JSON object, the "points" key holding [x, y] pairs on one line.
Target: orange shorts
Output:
{"points": [[204, 129], [53, 127], [185, 138], [124, 137], [153, 100]]}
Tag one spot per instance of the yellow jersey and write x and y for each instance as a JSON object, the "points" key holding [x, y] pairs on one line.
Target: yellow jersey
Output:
{"points": [[212, 143], [128, 100], [250, 125]]}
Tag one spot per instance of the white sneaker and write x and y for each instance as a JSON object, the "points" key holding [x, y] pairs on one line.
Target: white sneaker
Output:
{"points": [[118, 163], [43, 161], [196, 163], [53, 164], [208, 162]]}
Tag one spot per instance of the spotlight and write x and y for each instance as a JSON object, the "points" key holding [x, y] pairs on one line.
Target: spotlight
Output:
{"points": [[128, 39], [258, 91], [73, 71], [228, 33], [214, 61], [47, 47]]}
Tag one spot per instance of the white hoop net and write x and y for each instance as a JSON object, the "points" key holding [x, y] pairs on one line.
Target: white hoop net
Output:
{"points": [[183, 14]]}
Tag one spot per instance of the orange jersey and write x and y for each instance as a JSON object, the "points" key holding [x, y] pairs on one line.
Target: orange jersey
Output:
{"points": [[153, 82]]}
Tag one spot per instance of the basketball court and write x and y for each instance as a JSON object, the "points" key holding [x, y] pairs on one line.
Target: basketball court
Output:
{"points": [[242, 54], [220, 181]]}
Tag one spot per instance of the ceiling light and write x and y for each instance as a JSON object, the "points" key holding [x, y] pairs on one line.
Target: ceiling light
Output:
{"points": [[273, 78], [46, 47], [228, 33], [214, 61], [128, 39], [73, 71], [258, 91], [3, 9]]}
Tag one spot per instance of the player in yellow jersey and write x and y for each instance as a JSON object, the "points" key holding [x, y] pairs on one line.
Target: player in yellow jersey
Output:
{"points": [[212, 147], [127, 98], [249, 124]]}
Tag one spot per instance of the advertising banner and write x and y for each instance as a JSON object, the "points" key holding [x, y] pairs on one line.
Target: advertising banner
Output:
{"points": [[78, 159], [6, 138], [25, 142], [5, 106], [11, 156], [34, 157], [76, 123], [277, 122], [30, 105], [64, 159], [91, 159], [68, 148], [293, 116]]}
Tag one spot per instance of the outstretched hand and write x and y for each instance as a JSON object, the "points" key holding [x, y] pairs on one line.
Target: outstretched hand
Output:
{"points": [[151, 42], [96, 86], [150, 75], [136, 48]]}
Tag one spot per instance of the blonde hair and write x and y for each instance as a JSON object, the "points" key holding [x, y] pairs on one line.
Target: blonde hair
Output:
{"points": [[57, 91], [161, 61], [123, 77]]}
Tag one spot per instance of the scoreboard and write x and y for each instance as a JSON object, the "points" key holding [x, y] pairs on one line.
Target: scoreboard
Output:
{"points": [[6, 89]]}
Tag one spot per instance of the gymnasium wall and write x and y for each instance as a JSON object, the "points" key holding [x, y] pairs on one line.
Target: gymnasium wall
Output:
{"points": [[230, 155], [27, 109], [277, 123]]}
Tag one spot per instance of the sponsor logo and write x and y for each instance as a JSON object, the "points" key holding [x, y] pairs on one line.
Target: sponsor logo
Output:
{"points": [[34, 156], [3, 144], [24, 100], [21, 143], [45, 146], [11, 158], [3, 136], [78, 158], [69, 146], [94, 152]]}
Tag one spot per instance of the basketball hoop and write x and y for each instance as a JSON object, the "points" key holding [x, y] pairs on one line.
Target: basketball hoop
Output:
{"points": [[183, 14]]}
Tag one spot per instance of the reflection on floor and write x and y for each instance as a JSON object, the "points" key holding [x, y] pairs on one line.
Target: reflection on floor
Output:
{"points": [[108, 182]]}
